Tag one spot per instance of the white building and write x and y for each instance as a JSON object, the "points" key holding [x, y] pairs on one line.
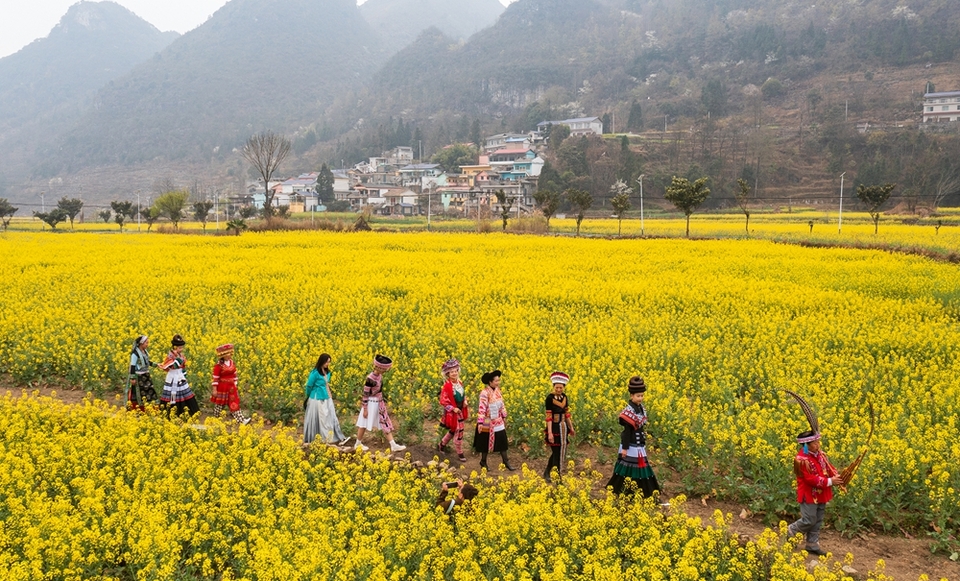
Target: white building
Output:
{"points": [[578, 126], [941, 107]]}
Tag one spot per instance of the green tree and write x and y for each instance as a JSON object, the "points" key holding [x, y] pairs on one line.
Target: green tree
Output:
{"points": [[476, 137], [247, 211], [105, 215], [52, 218], [237, 224], [621, 200], [6, 212], [687, 196], [150, 215], [71, 207], [558, 134], [504, 203], [201, 210], [265, 152], [453, 156], [743, 197], [572, 157], [548, 202], [173, 205], [324, 187], [635, 120], [714, 98], [581, 200], [122, 211], [772, 88], [873, 197]]}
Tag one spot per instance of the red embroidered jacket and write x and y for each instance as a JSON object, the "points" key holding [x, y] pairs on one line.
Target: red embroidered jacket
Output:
{"points": [[813, 471], [452, 411]]}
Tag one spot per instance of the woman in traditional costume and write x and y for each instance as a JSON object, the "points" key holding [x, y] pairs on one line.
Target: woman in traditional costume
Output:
{"points": [[374, 414], [140, 391], [455, 412], [225, 392], [320, 415], [176, 389], [491, 434], [632, 463], [559, 423]]}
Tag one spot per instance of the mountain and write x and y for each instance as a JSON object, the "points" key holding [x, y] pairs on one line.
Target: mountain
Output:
{"points": [[535, 45], [253, 65], [399, 22], [47, 84]]}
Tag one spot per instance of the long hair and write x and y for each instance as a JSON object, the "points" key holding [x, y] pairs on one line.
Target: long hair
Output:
{"points": [[322, 361]]}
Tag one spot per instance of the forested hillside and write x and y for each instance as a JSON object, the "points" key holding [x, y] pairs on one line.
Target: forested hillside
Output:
{"points": [[253, 65], [47, 84]]}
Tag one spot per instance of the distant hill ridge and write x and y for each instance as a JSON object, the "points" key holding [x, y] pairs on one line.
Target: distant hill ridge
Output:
{"points": [[399, 22]]}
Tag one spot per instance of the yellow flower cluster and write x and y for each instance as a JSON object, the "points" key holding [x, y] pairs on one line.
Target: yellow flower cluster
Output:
{"points": [[717, 328], [90, 492]]}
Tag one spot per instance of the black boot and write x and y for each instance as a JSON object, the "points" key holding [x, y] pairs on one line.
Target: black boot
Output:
{"points": [[483, 460], [506, 462]]}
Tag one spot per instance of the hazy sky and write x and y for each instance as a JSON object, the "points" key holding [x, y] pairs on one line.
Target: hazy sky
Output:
{"points": [[27, 20]]}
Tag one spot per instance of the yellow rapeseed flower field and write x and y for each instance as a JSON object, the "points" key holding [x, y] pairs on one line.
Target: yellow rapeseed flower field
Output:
{"points": [[93, 493], [717, 328]]}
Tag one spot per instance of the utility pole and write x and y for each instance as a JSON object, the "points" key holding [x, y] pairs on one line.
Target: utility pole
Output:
{"points": [[138, 210], [840, 218], [640, 180]]}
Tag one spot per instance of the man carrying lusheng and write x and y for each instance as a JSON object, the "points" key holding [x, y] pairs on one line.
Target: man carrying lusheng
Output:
{"points": [[816, 478]]}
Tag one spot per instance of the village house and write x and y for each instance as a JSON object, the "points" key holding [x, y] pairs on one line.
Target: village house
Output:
{"points": [[941, 107], [579, 126]]}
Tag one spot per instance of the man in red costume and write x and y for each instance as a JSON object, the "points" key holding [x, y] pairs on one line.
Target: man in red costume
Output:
{"points": [[815, 480]]}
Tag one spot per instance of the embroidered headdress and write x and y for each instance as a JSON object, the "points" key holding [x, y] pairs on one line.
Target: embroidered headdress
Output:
{"points": [[224, 350], [559, 377], [382, 362], [448, 366]]}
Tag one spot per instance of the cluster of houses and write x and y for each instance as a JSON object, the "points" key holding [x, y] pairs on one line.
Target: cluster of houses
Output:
{"points": [[397, 184]]}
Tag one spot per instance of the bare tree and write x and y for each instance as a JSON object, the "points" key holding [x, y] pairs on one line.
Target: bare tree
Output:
{"points": [[548, 201], [265, 152]]}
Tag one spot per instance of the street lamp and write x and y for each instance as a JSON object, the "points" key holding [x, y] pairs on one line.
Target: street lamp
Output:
{"points": [[42, 207], [840, 217], [640, 180]]}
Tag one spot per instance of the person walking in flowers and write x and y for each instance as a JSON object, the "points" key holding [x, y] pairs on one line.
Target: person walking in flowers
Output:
{"points": [[559, 423], [374, 414], [632, 464], [816, 478], [225, 392], [140, 390], [455, 411], [320, 415], [491, 434], [176, 389]]}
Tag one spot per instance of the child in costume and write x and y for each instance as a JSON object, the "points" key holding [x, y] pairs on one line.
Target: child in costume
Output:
{"points": [[632, 463], [455, 412], [176, 389], [225, 393], [559, 423], [374, 414]]}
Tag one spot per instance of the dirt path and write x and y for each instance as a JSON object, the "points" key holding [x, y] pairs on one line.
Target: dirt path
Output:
{"points": [[906, 559]]}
